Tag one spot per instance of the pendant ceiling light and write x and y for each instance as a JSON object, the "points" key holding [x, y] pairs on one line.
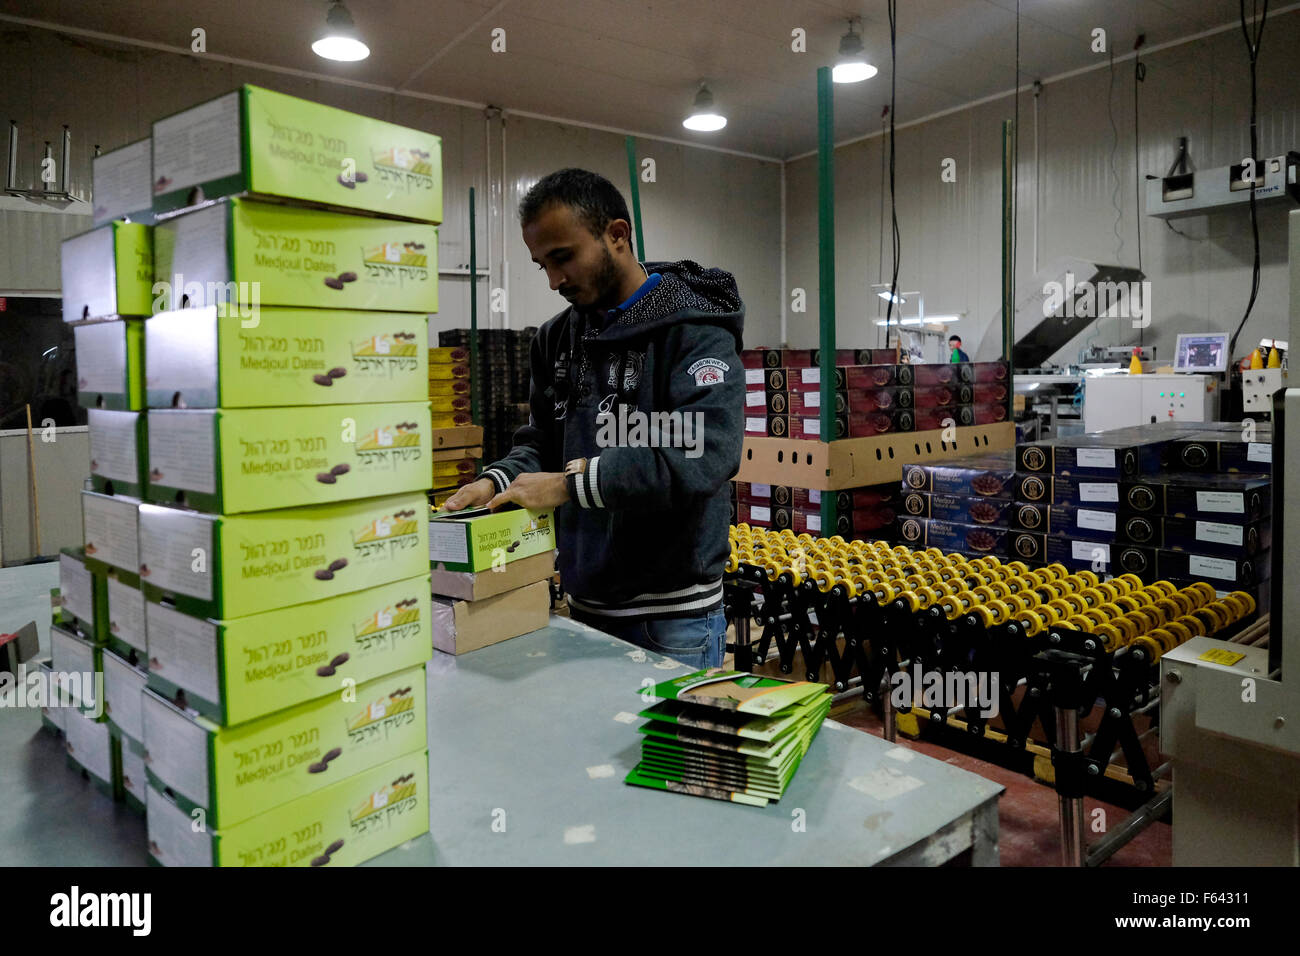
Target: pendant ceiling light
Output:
{"points": [[852, 65], [339, 40], [704, 118]]}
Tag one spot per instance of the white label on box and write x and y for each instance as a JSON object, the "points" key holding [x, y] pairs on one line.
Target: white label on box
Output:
{"points": [[1224, 502], [183, 650], [198, 145], [111, 527], [183, 450], [1098, 491], [124, 694], [177, 750], [754, 376], [812, 399], [193, 247], [814, 522], [88, 268], [760, 513], [72, 659], [1096, 458], [126, 614], [113, 450], [1096, 520], [812, 426], [811, 376], [814, 496], [167, 546], [134, 780], [121, 182], [101, 358], [76, 588], [1219, 533], [760, 491], [172, 839], [755, 398], [1211, 567], [448, 542], [756, 425], [90, 746], [1090, 551], [1255, 451]]}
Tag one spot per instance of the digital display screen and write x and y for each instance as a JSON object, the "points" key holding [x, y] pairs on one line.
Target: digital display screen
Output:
{"points": [[1202, 353]]}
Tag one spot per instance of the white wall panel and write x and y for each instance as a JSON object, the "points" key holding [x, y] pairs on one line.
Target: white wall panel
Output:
{"points": [[951, 233]]}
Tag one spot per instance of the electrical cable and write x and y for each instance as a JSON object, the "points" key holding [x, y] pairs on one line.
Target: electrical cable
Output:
{"points": [[1252, 49], [893, 208], [880, 267], [1015, 162], [1139, 75], [1114, 170]]}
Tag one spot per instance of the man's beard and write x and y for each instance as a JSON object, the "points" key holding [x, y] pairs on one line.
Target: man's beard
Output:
{"points": [[606, 281]]}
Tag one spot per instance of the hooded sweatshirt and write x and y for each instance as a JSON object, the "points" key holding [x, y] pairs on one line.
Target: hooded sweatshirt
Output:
{"points": [[653, 398]]}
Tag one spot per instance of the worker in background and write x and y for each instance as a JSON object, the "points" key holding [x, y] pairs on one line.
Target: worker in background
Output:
{"points": [[641, 515], [954, 343]]}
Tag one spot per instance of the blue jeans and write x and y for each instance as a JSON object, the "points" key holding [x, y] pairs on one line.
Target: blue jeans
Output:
{"points": [[698, 642]]}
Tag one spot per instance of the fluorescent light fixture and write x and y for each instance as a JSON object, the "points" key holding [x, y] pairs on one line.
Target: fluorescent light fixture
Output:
{"points": [[852, 65], [917, 320], [703, 118], [1033, 386], [339, 41]]}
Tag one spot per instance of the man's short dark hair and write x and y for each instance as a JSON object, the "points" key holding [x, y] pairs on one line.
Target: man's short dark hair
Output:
{"points": [[955, 338], [593, 198]]}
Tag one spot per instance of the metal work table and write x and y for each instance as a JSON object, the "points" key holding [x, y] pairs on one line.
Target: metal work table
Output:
{"points": [[549, 765], [535, 735]]}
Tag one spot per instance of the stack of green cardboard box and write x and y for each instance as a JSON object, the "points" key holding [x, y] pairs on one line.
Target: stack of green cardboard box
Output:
{"points": [[97, 638], [282, 539]]}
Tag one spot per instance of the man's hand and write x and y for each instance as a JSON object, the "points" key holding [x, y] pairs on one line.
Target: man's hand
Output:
{"points": [[534, 489], [473, 495]]}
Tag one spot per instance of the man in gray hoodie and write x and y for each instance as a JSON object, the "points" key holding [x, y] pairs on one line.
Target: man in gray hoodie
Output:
{"points": [[635, 426]]}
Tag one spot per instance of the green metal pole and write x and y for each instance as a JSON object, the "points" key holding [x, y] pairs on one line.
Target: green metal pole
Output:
{"points": [[1008, 246], [634, 179], [826, 271], [473, 315]]}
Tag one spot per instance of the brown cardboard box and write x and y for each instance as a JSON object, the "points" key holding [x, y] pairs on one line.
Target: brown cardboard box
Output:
{"points": [[459, 437], [475, 586], [853, 462], [463, 626]]}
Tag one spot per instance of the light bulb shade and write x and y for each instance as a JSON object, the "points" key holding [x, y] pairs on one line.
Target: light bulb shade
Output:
{"points": [[339, 40], [705, 122], [703, 118], [852, 72], [852, 65]]}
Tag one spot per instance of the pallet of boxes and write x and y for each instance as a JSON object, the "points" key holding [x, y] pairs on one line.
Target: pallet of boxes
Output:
{"points": [[1181, 502], [457, 438], [274, 508]]}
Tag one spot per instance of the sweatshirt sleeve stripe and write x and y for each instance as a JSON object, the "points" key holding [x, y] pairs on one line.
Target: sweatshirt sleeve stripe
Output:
{"points": [[498, 478], [593, 482]]}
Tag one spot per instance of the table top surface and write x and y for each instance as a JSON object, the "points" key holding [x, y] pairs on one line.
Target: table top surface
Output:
{"points": [[529, 742]]}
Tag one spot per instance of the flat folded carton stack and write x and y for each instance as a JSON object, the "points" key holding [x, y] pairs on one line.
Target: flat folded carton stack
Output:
{"points": [[491, 575], [873, 394], [727, 735], [256, 538]]}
